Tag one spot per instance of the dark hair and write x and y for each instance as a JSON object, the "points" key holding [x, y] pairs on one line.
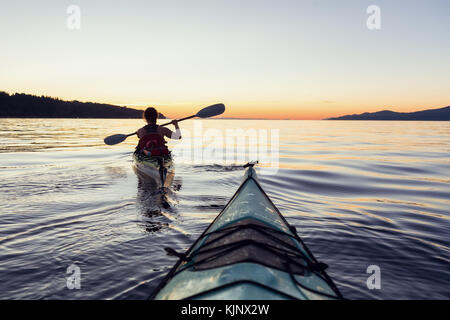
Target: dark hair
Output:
{"points": [[150, 114]]}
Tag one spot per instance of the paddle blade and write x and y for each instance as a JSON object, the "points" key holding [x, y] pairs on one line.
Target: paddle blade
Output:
{"points": [[211, 111], [115, 139]]}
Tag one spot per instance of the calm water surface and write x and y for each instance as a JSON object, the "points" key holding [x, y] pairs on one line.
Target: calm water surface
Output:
{"points": [[359, 193]]}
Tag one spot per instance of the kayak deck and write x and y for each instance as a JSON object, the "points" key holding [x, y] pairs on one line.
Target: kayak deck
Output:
{"points": [[248, 252], [149, 167]]}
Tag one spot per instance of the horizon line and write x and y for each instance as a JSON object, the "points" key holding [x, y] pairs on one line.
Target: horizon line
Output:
{"points": [[133, 106]]}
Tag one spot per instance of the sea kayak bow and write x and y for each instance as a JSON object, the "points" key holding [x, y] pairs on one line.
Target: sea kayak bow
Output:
{"points": [[157, 168], [249, 252]]}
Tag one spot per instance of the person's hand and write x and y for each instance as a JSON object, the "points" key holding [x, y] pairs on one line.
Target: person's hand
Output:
{"points": [[175, 123]]}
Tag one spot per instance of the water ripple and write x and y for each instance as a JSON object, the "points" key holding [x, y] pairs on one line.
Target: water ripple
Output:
{"points": [[359, 194]]}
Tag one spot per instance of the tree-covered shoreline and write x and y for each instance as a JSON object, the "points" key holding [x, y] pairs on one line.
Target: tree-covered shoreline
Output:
{"points": [[20, 105]]}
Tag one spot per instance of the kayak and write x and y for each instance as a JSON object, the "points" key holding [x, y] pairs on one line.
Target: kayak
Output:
{"points": [[157, 168], [249, 252]]}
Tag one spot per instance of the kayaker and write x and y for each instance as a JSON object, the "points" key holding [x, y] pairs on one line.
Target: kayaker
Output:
{"points": [[151, 136]]}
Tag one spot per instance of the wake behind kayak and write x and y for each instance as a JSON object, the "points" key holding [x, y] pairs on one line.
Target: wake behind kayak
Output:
{"points": [[249, 252]]}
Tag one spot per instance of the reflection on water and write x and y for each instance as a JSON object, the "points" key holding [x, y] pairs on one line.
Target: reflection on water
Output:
{"points": [[359, 193], [154, 203]]}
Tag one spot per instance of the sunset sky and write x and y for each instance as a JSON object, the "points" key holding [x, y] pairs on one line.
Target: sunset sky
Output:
{"points": [[264, 59]]}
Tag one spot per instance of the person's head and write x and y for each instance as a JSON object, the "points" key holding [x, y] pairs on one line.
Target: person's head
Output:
{"points": [[150, 115]]}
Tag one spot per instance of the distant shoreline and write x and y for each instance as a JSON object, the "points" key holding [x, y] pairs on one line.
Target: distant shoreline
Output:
{"points": [[215, 119], [27, 106], [441, 114]]}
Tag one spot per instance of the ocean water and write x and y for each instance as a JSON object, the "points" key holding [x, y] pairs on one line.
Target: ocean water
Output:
{"points": [[360, 194]]}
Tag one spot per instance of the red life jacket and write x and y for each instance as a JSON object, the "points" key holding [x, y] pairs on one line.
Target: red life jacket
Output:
{"points": [[153, 142]]}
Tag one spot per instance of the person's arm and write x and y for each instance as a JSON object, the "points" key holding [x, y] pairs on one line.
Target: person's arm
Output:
{"points": [[141, 133], [177, 133], [169, 133]]}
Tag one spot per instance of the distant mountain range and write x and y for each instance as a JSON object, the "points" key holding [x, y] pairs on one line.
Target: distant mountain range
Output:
{"points": [[442, 114], [22, 105]]}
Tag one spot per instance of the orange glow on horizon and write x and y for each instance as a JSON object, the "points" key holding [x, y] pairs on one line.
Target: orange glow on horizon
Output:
{"points": [[289, 110], [309, 62], [279, 112]]}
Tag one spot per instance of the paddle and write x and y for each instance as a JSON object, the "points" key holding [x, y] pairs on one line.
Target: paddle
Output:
{"points": [[207, 112]]}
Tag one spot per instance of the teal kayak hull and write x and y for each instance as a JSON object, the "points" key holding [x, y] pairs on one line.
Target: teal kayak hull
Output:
{"points": [[249, 252]]}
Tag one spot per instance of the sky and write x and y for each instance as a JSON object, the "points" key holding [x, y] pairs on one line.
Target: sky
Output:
{"points": [[282, 59]]}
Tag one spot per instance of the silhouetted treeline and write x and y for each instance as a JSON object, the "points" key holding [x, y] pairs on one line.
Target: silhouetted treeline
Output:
{"points": [[21, 105], [442, 114]]}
